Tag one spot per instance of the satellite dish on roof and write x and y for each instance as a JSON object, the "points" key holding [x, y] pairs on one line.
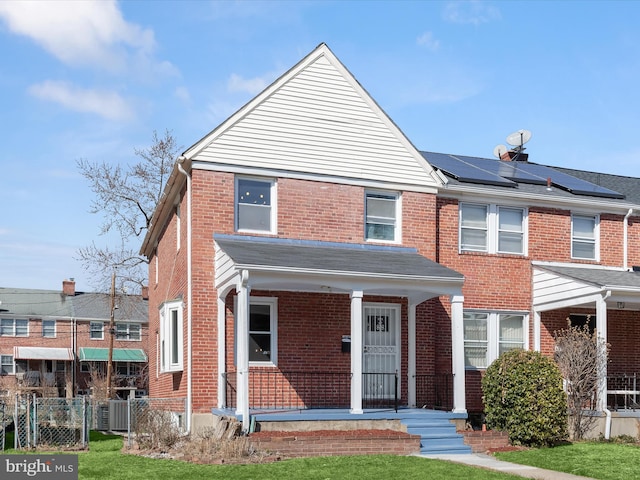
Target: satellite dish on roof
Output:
{"points": [[499, 150], [519, 138]]}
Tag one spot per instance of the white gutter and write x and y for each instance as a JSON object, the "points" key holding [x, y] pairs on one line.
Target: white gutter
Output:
{"points": [[181, 160], [625, 238]]}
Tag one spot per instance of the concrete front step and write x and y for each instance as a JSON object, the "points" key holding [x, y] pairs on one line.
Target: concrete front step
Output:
{"points": [[437, 436]]}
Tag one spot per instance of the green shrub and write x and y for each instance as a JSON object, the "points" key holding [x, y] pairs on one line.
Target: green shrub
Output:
{"points": [[523, 396]]}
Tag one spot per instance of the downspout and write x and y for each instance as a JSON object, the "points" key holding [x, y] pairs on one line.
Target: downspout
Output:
{"points": [[181, 160], [625, 239]]}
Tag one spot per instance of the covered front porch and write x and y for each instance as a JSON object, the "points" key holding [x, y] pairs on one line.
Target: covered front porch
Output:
{"points": [[370, 299], [607, 300]]}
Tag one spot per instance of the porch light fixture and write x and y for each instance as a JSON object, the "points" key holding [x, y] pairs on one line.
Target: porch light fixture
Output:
{"points": [[620, 305]]}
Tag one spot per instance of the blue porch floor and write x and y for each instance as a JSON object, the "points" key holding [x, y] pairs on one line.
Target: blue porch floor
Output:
{"points": [[437, 433]]}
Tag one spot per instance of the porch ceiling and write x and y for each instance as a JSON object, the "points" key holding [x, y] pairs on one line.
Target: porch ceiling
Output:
{"points": [[557, 286], [298, 265]]}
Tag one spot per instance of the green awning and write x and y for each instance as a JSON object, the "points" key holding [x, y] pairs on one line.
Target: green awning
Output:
{"points": [[89, 354]]}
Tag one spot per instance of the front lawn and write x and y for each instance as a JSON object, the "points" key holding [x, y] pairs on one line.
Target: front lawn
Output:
{"points": [[105, 461], [604, 461]]}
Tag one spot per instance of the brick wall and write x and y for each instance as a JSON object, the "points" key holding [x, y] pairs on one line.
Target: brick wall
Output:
{"points": [[310, 325], [327, 443], [484, 441]]}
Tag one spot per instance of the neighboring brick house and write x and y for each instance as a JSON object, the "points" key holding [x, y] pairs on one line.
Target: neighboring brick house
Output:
{"points": [[52, 341], [306, 254]]}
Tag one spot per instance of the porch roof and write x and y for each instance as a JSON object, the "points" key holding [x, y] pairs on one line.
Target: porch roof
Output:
{"points": [[94, 354], [302, 265], [42, 353], [556, 286]]}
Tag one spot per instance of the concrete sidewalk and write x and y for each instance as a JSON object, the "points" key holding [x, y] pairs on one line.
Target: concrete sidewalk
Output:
{"points": [[492, 463]]}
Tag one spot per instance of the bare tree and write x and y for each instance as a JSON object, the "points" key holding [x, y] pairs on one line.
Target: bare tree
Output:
{"points": [[580, 355], [126, 196]]}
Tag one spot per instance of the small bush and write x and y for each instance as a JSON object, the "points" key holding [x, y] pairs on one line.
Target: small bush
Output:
{"points": [[523, 396]]}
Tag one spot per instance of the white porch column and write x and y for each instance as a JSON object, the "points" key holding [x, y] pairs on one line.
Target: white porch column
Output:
{"points": [[457, 353], [536, 330], [601, 332], [356, 351], [242, 407], [222, 353], [411, 352]]}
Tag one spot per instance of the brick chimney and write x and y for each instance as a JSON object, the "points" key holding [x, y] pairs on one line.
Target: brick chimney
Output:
{"points": [[69, 287], [145, 292], [511, 155]]}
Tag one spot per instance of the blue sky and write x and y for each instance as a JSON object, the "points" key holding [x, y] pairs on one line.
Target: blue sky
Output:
{"points": [[93, 80]]}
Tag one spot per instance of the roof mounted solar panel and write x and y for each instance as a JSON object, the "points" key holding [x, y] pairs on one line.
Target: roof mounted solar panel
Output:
{"points": [[562, 180], [465, 170]]}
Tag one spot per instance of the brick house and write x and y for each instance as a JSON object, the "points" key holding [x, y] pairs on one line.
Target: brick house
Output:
{"points": [[306, 254], [52, 341]]}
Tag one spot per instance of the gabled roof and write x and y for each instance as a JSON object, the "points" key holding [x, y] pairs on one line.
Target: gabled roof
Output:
{"points": [[315, 122], [35, 303], [31, 303], [316, 119]]}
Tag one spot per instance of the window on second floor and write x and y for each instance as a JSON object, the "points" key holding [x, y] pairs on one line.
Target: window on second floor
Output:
{"points": [[492, 229], [584, 237], [489, 334], [128, 331], [49, 328], [96, 331], [382, 216], [14, 327], [255, 205]]}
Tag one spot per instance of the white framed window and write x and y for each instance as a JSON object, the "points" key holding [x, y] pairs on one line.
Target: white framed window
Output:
{"points": [[14, 327], [489, 334], [263, 330], [6, 365], [96, 331], [171, 335], [255, 205], [382, 216], [128, 331], [585, 236], [492, 229], [49, 328]]}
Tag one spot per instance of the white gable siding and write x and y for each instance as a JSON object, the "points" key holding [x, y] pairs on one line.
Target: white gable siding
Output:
{"points": [[317, 123], [550, 288]]}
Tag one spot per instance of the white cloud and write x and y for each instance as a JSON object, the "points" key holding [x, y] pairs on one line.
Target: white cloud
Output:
{"points": [[470, 12], [106, 104], [182, 93], [82, 33], [252, 85], [426, 40]]}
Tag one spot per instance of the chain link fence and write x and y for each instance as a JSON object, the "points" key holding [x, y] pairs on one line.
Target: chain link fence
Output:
{"points": [[51, 422], [4, 421], [66, 422]]}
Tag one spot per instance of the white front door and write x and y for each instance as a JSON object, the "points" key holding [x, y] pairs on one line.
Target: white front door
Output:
{"points": [[381, 350]]}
